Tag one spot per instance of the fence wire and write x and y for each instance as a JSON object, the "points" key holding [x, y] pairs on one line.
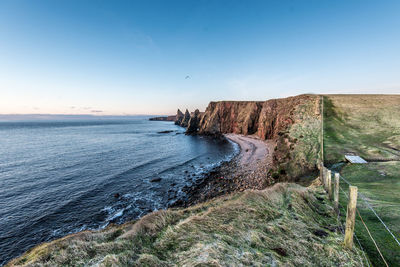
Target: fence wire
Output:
{"points": [[362, 197], [341, 227], [373, 210]]}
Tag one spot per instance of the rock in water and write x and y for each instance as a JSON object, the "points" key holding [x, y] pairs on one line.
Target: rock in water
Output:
{"points": [[178, 117], [185, 119], [193, 124]]}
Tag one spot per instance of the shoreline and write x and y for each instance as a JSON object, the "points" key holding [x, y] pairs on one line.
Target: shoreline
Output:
{"points": [[241, 172], [247, 170]]}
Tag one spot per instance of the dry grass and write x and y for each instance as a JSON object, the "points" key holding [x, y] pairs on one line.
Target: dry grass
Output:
{"points": [[273, 227]]}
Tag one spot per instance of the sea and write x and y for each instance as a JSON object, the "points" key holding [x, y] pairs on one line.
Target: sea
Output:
{"points": [[59, 177]]}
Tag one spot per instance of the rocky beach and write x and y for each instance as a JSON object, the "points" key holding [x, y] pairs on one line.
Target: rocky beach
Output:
{"points": [[247, 170]]}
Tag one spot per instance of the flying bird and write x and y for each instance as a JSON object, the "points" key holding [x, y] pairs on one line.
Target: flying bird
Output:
{"points": [[187, 77]]}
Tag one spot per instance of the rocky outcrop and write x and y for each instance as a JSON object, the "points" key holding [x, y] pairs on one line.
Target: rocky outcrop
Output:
{"points": [[194, 122], [240, 117], [293, 122], [178, 117], [264, 119], [185, 119]]}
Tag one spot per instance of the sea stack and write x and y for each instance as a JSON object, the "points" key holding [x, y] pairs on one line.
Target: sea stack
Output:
{"points": [[185, 119], [179, 117], [193, 124]]}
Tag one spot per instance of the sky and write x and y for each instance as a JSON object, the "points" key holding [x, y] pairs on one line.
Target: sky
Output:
{"points": [[152, 57]]}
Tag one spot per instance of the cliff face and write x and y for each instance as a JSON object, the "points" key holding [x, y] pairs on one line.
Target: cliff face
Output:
{"points": [[293, 122], [265, 119], [240, 117]]}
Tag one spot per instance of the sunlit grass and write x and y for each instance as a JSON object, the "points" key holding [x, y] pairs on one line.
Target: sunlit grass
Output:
{"points": [[380, 184], [273, 227], [369, 125]]}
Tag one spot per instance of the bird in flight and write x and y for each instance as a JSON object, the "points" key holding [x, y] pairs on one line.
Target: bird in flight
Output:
{"points": [[187, 77]]}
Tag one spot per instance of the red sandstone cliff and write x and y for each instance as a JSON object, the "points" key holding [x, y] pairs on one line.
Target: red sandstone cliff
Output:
{"points": [[293, 122], [265, 119]]}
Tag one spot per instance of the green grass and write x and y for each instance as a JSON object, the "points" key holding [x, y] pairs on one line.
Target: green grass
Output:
{"points": [[380, 184], [368, 125], [277, 226]]}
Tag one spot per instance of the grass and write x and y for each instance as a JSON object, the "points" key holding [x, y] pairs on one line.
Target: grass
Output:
{"points": [[380, 184], [369, 125], [286, 225]]}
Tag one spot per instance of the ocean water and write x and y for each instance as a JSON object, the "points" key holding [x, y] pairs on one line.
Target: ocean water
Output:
{"points": [[61, 177]]}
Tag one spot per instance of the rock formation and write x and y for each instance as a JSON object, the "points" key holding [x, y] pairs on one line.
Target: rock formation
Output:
{"points": [[185, 119], [293, 123], [264, 119], [240, 117], [178, 117], [193, 124]]}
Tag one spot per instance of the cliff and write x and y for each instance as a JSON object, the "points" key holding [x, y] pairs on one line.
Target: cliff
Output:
{"points": [[293, 122]]}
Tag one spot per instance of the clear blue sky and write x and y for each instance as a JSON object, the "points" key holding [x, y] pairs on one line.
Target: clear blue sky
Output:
{"points": [[132, 57]]}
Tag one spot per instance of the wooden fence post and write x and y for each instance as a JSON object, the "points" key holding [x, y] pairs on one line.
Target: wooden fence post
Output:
{"points": [[327, 174], [336, 192], [350, 217], [329, 184], [321, 172]]}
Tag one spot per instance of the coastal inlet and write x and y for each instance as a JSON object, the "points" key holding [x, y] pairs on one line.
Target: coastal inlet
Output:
{"points": [[61, 177]]}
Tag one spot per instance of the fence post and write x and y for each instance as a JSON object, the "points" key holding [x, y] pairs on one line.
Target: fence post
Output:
{"points": [[336, 192], [327, 174], [350, 217], [329, 184], [321, 172]]}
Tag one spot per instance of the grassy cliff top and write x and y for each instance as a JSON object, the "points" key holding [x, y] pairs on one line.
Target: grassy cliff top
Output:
{"points": [[285, 225], [367, 125]]}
